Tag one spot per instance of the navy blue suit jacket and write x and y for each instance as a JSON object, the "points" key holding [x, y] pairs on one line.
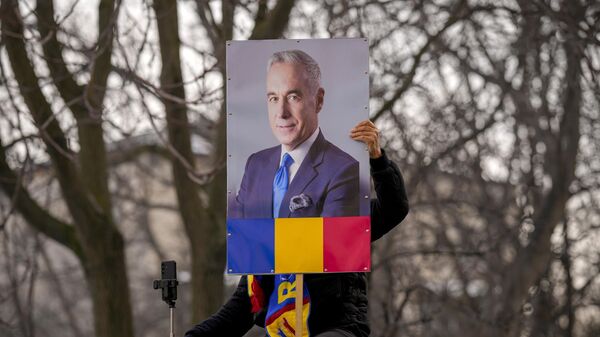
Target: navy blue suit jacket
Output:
{"points": [[328, 178]]}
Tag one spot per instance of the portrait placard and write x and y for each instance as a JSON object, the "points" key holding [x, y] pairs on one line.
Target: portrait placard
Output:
{"points": [[297, 184]]}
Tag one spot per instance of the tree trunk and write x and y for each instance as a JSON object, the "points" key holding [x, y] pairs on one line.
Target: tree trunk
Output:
{"points": [[532, 260], [99, 244], [207, 271], [106, 275]]}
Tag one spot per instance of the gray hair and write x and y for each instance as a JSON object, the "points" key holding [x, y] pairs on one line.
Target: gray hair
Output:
{"points": [[311, 67]]}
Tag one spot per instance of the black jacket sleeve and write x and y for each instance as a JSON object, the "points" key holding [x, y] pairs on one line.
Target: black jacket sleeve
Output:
{"points": [[233, 319], [391, 205]]}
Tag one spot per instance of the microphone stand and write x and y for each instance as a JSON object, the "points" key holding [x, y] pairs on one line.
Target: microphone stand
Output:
{"points": [[168, 284]]}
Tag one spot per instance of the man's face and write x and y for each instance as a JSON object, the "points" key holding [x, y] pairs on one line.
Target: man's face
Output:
{"points": [[292, 105]]}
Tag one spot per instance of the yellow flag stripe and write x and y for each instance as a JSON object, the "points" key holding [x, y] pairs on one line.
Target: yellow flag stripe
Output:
{"points": [[299, 245]]}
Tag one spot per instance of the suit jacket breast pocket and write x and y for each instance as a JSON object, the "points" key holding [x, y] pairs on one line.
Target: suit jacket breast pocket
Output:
{"points": [[306, 212], [305, 205]]}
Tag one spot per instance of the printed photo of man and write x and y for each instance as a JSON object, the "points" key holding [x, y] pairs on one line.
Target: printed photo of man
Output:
{"points": [[304, 175]]}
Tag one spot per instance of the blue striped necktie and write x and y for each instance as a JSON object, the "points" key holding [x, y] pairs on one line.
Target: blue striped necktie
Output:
{"points": [[280, 183], [276, 307]]}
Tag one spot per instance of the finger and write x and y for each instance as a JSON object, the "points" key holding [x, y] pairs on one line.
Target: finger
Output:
{"points": [[362, 123], [363, 128], [366, 122], [366, 137], [371, 125], [371, 134], [362, 139]]}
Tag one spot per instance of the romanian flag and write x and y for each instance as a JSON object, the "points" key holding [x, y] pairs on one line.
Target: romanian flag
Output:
{"points": [[298, 245]]}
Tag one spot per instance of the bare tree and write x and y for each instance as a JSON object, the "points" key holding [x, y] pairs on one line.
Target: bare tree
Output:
{"points": [[492, 102], [490, 108], [92, 235], [80, 160]]}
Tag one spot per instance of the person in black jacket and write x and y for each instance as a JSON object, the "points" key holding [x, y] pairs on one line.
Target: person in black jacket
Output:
{"points": [[338, 301]]}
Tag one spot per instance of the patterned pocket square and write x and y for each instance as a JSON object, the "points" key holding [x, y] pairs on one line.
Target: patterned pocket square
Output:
{"points": [[299, 201]]}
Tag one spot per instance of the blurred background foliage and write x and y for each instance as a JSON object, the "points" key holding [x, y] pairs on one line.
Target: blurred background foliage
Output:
{"points": [[112, 156]]}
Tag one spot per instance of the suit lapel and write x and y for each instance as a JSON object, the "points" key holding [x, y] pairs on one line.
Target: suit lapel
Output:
{"points": [[267, 175], [306, 173]]}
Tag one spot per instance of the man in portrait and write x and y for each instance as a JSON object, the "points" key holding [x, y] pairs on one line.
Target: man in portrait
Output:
{"points": [[305, 175]]}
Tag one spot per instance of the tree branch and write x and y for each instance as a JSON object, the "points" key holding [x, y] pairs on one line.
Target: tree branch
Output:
{"points": [[122, 156], [208, 21], [459, 12], [49, 129], [274, 22], [35, 215], [83, 208], [69, 90], [101, 65]]}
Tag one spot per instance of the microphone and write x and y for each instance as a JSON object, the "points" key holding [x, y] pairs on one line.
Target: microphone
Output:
{"points": [[168, 283]]}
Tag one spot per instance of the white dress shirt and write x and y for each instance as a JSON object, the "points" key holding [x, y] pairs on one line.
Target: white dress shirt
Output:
{"points": [[298, 154]]}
